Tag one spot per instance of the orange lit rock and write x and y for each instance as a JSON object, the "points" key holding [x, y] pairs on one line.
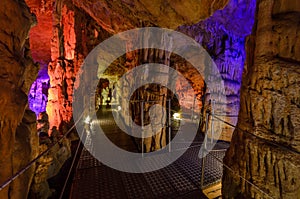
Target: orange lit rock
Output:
{"points": [[17, 72], [68, 22], [119, 16]]}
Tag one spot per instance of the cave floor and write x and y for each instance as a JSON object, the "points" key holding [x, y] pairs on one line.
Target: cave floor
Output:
{"points": [[181, 179]]}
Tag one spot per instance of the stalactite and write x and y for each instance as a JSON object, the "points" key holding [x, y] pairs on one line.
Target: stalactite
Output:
{"points": [[266, 110], [225, 45]]}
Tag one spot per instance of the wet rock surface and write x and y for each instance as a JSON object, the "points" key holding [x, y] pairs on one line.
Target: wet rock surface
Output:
{"points": [[119, 16], [17, 72], [223, 37], [267, 155], [67, 31]]}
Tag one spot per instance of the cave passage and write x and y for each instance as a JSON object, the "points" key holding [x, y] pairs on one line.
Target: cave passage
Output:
{"points": [[181, 179], [149, 99]]}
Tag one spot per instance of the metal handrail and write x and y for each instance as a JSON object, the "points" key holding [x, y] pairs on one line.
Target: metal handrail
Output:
{"points": [[71, 167], [225, 115], [143, 100], [247, 181], [30, 164], [228, 167], [256, 136]]}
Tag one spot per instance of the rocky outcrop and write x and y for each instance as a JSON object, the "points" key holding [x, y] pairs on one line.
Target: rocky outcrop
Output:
{"points": [[40, 45], [49, 166], [63, 64], [38, 94], [25, 150], [223, 36], [265, 148], [69, 47], [17, 72]]}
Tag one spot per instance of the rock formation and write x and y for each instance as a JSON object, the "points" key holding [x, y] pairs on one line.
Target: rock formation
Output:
{"points": [[267, 155], [265, 147], [224, 39], [119, 16], [66, 37], [18, 71], [40, 47]]}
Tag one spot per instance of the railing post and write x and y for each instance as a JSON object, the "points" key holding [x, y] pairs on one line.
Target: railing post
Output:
{"points": [[193, 109], [204, 150], [169, 124], [212, 121], [142, 123], [202, 172], [206, 130]]}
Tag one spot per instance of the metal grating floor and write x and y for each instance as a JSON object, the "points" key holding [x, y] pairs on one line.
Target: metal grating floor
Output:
{"points": [[181, 179]]}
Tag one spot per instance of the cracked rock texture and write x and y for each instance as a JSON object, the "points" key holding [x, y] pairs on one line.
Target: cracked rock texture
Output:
{"points": [[17, 72], [117, 16], [40, 46], [75, 34], [223, 37], [268, 154]]}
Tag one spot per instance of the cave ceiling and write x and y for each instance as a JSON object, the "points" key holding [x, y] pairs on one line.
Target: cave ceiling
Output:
{"points": [[117, 16]]}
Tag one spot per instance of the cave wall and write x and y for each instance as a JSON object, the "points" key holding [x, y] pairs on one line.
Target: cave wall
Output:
{"points": [[71, 42], [18, 139], [150, 92], [223, 36], [75, 34], [118, 16], [53, 42], [62, 67], [270, 92], [40, 46], [192, 91], [268, 154]]}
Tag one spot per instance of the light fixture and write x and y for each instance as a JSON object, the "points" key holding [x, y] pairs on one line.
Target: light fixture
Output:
{"points": [[87, 120], [177, 116], [119, 108]]}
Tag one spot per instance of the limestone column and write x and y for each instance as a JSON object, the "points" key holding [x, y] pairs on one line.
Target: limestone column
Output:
{"points": [[265, 149]]}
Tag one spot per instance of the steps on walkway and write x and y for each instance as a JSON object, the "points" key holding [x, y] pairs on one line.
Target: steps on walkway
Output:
{"points": [[214, 191]]}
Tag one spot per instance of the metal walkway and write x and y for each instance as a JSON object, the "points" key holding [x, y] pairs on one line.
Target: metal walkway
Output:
{"points": [[181, 179]]}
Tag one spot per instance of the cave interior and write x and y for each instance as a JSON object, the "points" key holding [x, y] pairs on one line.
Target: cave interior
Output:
{"points": [[229, 67]]}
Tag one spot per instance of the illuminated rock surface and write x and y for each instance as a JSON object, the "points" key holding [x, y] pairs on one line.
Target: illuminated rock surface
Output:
{"points": [[268, 155], [18, 140], [66, 31]]}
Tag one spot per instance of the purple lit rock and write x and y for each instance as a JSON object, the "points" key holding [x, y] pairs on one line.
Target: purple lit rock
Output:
{"points": [[223, 36], [38, 94]]}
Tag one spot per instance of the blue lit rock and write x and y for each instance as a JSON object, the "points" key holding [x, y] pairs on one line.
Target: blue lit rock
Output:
{"points": [[223, 35], [268, 154]]}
